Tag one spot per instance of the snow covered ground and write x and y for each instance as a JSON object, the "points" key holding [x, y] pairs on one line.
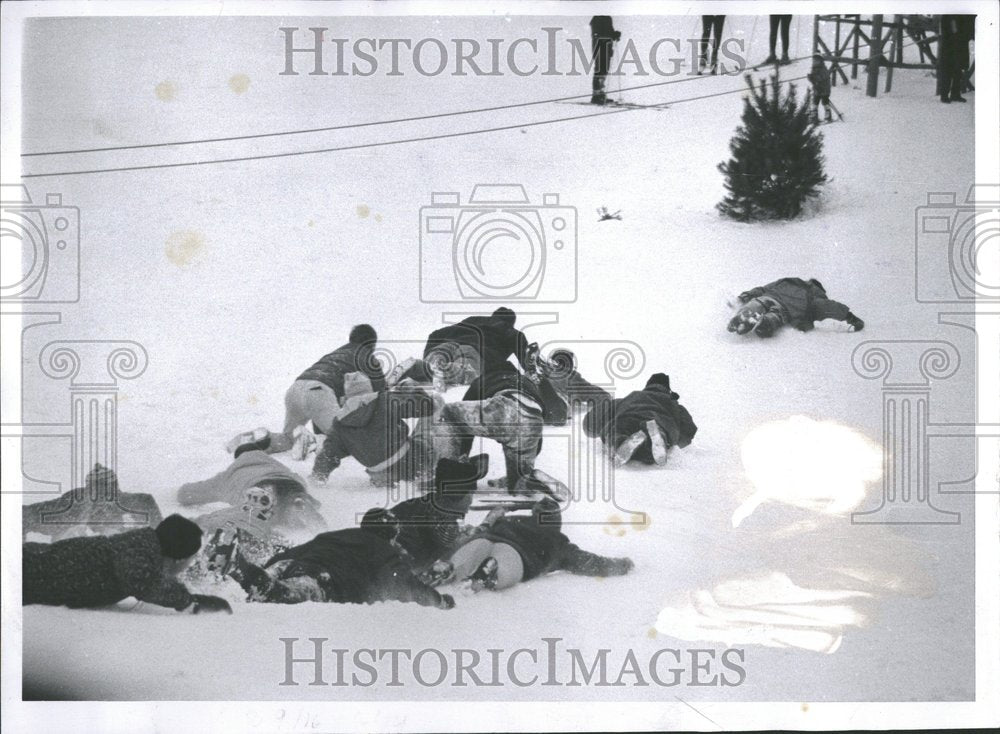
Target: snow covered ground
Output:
{"points": [[235, 277]]}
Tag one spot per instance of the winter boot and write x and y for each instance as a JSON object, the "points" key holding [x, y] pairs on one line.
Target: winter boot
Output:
{"points": [[657, 443], [771, 59], [628, 447], [440, 573], [485, 577], [305, 443], [785, 61], [829, 115], [249, 438]]}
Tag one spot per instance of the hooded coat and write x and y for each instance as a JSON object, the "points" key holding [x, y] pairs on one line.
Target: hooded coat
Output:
{"points": [[98, 571], [614, 423], [804, 301]]}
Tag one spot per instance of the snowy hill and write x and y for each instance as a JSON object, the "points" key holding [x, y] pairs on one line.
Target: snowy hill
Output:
{"points": [[284, 255]]}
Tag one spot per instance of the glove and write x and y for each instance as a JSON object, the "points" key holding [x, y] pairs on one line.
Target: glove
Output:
{"points": [[447, 602], [854, 322], [204, 604]]}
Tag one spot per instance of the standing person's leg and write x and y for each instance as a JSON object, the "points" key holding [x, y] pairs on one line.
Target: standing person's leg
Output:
{"points": [[602, 58], [706, 31], [773, 39], [717, 24], [786, 23]]}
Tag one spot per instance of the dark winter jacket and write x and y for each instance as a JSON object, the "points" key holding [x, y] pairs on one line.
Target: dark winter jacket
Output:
{"points": [[627, 415], [375, 434], [359, 567], [331, 368], [804, 302], [543, 547], [494, 339], [602, 26], [819, 77], [97, 571], [429, 527]]}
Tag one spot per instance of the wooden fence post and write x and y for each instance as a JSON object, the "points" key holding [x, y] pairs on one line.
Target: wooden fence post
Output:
{"points": [[874, 55]]}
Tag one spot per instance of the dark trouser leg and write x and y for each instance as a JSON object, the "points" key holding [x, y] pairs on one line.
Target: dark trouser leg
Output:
{"points": [[717, 23], [602, 60], [786, 23], [773, 39], [706, 31]]}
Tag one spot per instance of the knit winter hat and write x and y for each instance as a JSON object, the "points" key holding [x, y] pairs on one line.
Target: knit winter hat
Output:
{"points": [[363, 334], [179, 537], [505, 315], [659, 378]]}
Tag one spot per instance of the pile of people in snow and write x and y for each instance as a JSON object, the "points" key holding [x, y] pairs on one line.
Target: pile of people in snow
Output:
{"points": [[409, 551]]}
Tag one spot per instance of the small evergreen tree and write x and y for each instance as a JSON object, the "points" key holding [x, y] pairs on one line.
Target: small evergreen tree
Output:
{"points": [[777, 156]]}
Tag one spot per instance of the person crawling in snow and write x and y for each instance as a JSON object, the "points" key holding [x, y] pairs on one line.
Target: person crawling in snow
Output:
{"points": [[318, 395], [477, 346], [102, 570], [793, 301], [643, 425], [371, 428], [508, 549]]}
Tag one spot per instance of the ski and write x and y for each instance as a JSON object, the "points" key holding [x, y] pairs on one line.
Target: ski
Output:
{"points": [[622, 105]]}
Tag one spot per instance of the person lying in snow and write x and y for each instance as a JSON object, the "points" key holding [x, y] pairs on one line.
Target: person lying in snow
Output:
{"points": [[100, 507], [102, 570], [508, 549], [642, 425], [350, 566], [799, 303], [318, 394], [371, 428], [267, 499]]}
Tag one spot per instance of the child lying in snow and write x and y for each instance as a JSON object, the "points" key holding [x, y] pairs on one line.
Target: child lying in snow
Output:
{"points": [[792, 301], [642, 425], [99, 571]]}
